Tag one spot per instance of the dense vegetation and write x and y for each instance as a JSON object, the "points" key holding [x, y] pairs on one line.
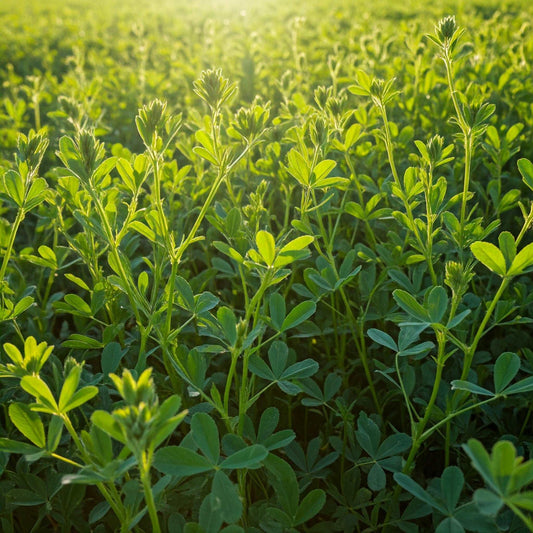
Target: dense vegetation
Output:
{"points": [[266, 266]]}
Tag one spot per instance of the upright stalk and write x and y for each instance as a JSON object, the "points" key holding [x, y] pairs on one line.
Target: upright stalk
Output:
{"points": [[9, 249], [144, 467]]}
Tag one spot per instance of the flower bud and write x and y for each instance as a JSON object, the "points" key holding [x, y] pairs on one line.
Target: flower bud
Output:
{"points": [[446, 28]]}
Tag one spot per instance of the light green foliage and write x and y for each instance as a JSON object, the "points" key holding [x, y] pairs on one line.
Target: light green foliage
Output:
{"points": [[266, 266]]}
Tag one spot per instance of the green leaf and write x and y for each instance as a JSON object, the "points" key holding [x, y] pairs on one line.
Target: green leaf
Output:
{"points": [[300, 370], [78, 281], [490, 256], [111, 356], [98, 512], [210, 516], [36, 194], [228, 322], [526, 169], [284, 482], [523, 260], [293, 251], [277, 310], [437, 303], [125, 171], [49, 256], [180, 461], [205, 435], [26, 497], [352, 135], [266, 246], [298, 167], [69, 386], [458, 384], [488, 503], [268, 423], [229, 251], [260, 368], [280, 439], [508, 247], [298, 315], [382, 338], [505, 369], [228, 497], [481, 461], [503, 463], [14, 187], [13, 446], [21, 306], [410, 305], [376, 478], [232, 529], [80, 397], [35, 386], [249, 457], [278, 354], [450, 525], [168, 422], [143, 229], [55, 430], [310, 506], [417, 491], [83, 342], [524, 385], [105, 421], [451, 486], [393, 445], [524, 500], [28, 423], [368, 434], [323, 168]]}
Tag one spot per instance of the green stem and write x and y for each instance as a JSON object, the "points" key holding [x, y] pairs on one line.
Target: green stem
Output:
{"points": [[466, 183], [449, 76], [429, 225], [229, 380], [9, 249], [388, 146], [448, 418], [252, 311], [418, 434], [144, 466], [410, 409], [469, 354]]}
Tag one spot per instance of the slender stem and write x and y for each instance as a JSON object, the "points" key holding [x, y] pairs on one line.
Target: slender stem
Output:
{"points": [[419, 436], [144, 466], [428, 185], [66, 460], [410, 409], [466, 183], [362, 352], [130, 288], [229, 380], [469, 355], [252, 311], [447, 419], [21, 213], [449, 76], [388, 145]]}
